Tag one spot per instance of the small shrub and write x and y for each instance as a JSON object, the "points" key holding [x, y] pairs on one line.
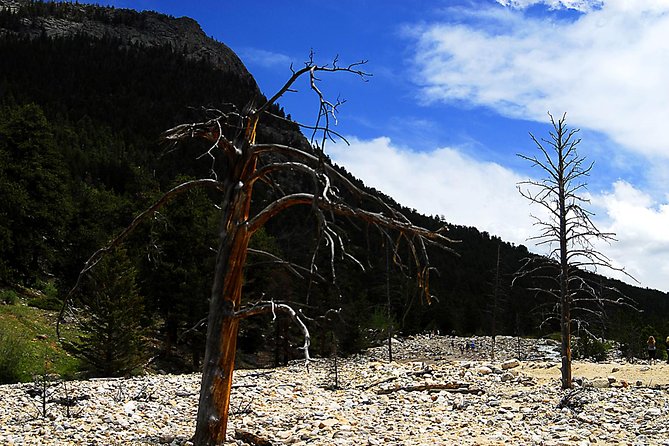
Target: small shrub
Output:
{"points": [[9, 297], [47, 297], [12, 354], [589, 348], [48, 287], [49, 303]]}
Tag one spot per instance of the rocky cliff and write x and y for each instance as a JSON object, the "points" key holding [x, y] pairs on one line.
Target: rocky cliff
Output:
{"points": [[37, 19], [147, 29]]}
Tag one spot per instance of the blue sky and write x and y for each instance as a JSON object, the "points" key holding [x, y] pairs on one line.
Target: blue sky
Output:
{"points": [[457, 85]]}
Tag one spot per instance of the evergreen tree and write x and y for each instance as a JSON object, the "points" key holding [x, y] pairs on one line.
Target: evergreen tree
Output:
{"points": [[111, 341], [34, 183], [177, 269]]}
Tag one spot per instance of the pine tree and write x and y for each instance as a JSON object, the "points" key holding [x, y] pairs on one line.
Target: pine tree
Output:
{"points": [[111, 340]]}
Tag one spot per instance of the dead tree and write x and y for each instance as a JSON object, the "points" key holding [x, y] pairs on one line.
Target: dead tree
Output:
{"points": [[241, 164], [499, 298], [568, 231]]}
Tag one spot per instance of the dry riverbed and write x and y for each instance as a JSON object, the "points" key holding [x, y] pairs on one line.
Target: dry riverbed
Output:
{"points": [[431, 394]]}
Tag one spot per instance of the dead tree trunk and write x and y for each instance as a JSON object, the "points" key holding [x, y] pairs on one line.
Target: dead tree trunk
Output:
{"points": [[237, 158], [226, 295], [223, 325], [567, 228], [565, 300], [495, 297]]}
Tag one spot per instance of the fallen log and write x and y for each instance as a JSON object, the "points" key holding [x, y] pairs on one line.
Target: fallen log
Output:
{"points": [[377, 382], [448, 387]]}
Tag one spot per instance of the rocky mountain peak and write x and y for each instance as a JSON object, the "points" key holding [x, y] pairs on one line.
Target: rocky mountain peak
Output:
{"points": [[130, 27]]}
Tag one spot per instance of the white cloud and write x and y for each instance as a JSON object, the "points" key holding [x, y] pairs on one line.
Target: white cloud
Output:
{"points": [[264, 58], [443, 182], [641, 226], [578, 5], [470, 192], [607, 68]]}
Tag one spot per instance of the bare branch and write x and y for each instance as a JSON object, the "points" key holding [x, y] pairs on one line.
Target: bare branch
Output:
{"points": [[568, 230], [264, 307], [250, 164], [311, 68], [292, 267]]}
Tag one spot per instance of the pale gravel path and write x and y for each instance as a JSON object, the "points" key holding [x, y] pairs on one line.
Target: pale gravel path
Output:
{"points": [[290, 406]]}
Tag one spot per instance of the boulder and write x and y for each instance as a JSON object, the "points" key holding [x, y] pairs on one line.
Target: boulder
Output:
{"points": [[483, 370], [599, 383], [506, 377], [510, 364]]}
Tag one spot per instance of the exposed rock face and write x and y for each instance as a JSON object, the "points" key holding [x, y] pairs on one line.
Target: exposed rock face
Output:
{"points": [[148, 29], [11, 5], [145, 29]]}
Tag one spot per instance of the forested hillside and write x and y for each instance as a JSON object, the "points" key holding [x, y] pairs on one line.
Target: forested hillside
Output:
{"points": [[81, 154]]}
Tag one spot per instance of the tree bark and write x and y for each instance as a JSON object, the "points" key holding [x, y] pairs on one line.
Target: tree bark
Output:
{"points": [[222, 323], [219, 362], [565, 304]]}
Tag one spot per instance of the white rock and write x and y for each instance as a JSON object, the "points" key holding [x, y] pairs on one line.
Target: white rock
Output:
{"points": [[653, 412], [599, 383], [129, 407]]}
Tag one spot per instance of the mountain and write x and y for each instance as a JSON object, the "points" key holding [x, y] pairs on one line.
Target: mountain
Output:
{"points": [[85, 93], [148, 29]]}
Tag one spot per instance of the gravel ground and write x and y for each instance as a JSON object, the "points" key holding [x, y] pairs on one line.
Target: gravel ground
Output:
{"points": [[430, 395]]}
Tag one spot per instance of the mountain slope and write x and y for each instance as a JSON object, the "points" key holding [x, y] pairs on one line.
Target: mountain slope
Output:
{"points": [[104, 83], [148, 29]]}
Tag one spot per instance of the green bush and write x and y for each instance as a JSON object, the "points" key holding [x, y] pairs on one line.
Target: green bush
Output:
{"points": [[9, 297], [48, 300], [48, 303], [589, 348], [48, 287], [12, 354]]}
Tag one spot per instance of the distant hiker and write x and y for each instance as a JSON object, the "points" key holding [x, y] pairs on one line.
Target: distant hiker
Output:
{"points": [[652, 349]]}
